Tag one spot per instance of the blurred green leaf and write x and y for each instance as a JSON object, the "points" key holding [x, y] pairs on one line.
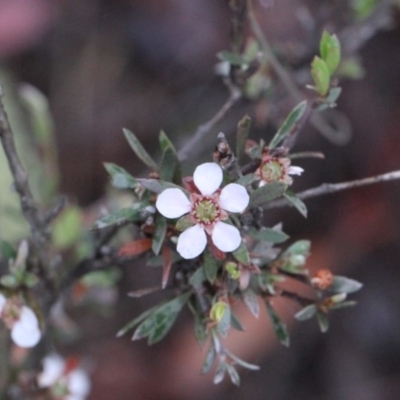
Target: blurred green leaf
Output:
{"points": [[7, 251], [120, 178], [279, 327], [125, 214], [159, 234], [321, 75], [220, 372], [232, 58], [266, 193], [233, 374], [330, 51], [198, 277], [289, 125], [139, 149], [9, 281], [341, 284], [242, 134], [306, 312], [364, 8], [251, 301], [241, 254], [246, 180], [224, 323], [235, 323], [268, 235], [323, 322], [210, 267], [296, 202], [209, 360], [330, 100], [160, 321], [67, 228], [105, 278]]}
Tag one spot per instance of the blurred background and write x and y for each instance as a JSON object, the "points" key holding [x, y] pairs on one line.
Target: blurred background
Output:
{"points": [[149, 65]]}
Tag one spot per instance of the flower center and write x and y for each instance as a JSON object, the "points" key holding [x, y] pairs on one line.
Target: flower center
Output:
{"points": [[205, 210], [271, 171]]}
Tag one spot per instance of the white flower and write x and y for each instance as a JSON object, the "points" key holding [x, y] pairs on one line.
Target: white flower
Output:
{"points": [[64, 378], [22, 322], [206, 210]]}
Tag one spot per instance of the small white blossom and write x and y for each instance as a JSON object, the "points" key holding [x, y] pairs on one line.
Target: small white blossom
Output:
{"points": [[206, 210], [64, 379], [21, 320]]}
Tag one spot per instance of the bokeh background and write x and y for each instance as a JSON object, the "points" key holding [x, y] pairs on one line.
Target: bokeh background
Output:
{"points": [[148, 65]]}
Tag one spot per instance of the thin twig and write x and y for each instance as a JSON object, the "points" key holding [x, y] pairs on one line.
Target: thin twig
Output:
{"points": [[31, 213], [327, 188], [303, 301], [202, 131]]}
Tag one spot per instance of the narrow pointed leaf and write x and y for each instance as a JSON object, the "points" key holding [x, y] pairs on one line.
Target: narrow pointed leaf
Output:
{"points": [[279, 327], [209, 360], [268, 235], [225, 323], [341, 284], [157, 186], [241, 254], [119, 217], [235, 323], [233, 374], [323, 322], [242, 135], [266, 193], [296, 202], [306, 312], [120, 178], [251, 301], [140, 150], [159, 234], [289, 125], [210, 267]]}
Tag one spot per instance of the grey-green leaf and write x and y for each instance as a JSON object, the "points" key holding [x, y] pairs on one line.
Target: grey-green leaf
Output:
{"points": [[242, 135], [296, 202], [225, 323], [120, 178], [268, 235], [125, 214], [341, 284], [306, 312], [323, 322], [289, 125], [266, 193], [233, 374], [251, 301], [241, 254], [279, 327], [210, 267], [159, 234], [209, 360], [139, 149]]}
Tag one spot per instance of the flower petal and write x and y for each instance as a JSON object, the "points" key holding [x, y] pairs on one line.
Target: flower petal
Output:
{"points": [[53, 368], [172, 203], [192, 242], [79, 383], [226, 237], [295, 170], [24, 337], [28, 319], [207, 177], [3, 301], [234, 198]]}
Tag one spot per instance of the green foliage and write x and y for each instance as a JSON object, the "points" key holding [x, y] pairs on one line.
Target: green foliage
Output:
{"points": [[120, 178], [67, 228], [132, 214], [321, 75], [242, 134], [296, 202], [279, 327], [266, 193], [329, 48], [289, 125]]}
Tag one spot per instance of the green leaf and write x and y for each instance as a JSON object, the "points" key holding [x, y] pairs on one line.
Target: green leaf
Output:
{"points": [[321, 75], [198, 277], [268, 235], [296, 202], [251, 301], [7, 251], [306, 312], [210, 267], [341, 284], [266, 193], [232, 58], [160, 321], [289, 125], [104, 278], [323, 322], [301, 247], [242, 134], [233, 374], [235, 323], [9, 281], [165, 142], [184, 223], [241, 254], [279, 327], [344, 304], [225, 322], [220, 372], [209, 360], [159, 234], [330, 51], [364, 8], [120, 178], [254, 152], [246, 180], [130, 325], [170, 166], [329, 101], [125, 214], [157, 186], [200, 330], [67, 228], [139, 149]]}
